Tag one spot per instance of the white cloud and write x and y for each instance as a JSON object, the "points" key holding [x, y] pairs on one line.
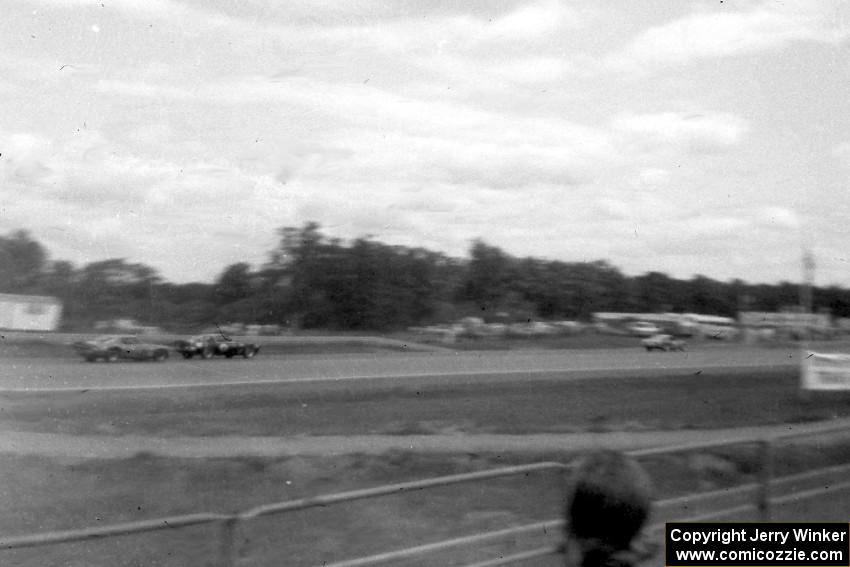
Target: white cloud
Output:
{"points": [[610, 208], [842, 152], [379, 146], [448, 139], [724, 33], [721, 246], [144, 7], [425, 129], [461, 28], [698, 132], [510, 160], [531, 21], [24, 156], [529, 70], [144, 89], [654, 176], [778, 218], [118, 204]]}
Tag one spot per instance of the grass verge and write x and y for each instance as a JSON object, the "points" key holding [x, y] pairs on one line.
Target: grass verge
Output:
{"points": [[707, 400]]}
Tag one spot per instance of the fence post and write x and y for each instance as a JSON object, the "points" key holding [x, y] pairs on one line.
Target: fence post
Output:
{"points": [[765, 476], [566, 477], [227, 548]]}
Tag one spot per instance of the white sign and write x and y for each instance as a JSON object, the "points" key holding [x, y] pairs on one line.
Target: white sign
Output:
{"points": [[823, 371]]}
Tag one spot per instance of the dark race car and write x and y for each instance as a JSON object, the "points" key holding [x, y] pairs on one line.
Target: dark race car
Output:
{"points": [[112, 348], [207, 346]]}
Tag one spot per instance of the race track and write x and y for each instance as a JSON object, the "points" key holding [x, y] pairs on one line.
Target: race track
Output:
{"points": [[71, 373]]}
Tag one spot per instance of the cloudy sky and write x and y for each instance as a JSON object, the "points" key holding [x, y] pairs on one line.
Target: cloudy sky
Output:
{"points": [[685, 137]]}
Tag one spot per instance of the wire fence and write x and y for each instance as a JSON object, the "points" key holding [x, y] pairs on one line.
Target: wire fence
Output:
{"points": [[754, 500]]}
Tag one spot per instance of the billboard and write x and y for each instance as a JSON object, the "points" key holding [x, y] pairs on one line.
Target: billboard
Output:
{"points": [[823, 371], [29, 312]]}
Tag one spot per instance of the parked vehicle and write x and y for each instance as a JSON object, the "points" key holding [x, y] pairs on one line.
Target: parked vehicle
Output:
{"points": [[720, 332], [122, 347], [207, 346], [643, 329], [663, 342]]}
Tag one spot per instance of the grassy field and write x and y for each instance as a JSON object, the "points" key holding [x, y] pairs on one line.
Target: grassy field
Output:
{"points": [[705, 401], [52, 494]]}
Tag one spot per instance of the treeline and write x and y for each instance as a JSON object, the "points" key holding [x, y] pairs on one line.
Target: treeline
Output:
{"points": [[312, 281]]}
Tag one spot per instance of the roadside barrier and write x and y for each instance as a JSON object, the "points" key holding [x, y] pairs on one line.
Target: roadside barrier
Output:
{"points": [[752, 501]]}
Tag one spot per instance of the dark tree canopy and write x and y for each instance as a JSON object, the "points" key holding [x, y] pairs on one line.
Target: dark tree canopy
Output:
{"points": [[22, 261], [313, 281], [234, 284]]}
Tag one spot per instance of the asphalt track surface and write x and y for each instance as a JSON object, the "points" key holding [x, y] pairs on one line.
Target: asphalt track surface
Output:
{"points": [[307, 371]]}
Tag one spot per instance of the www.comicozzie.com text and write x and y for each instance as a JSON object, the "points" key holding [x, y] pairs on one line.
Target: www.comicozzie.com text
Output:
{"points": [[728, 536]]}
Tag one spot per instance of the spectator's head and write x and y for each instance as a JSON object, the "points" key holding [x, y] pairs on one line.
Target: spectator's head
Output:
{"points": [[607, 504]]}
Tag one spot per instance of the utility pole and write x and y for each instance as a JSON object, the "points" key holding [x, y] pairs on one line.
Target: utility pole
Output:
{"points": [[806, 292], [805, 313]]}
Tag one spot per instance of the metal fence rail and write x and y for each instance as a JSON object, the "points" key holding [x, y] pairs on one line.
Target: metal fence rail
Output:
{"points": [[129, 528], [759, 494], [449, 544], [398, 488]]}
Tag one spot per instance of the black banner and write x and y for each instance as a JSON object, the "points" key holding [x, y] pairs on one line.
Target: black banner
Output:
{"points": [[757, 544]]}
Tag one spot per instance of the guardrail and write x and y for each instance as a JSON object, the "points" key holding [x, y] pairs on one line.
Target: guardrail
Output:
{"points": [[753, 498]]}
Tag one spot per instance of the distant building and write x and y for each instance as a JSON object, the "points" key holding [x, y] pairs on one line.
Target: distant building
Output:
{"points": [[684, 324], [794, 324], [29, 312], [125, 326], [786, 319]]}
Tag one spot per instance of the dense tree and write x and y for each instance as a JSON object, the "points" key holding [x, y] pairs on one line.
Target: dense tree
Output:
{"points": [[599, 287], [115, 288], [60, 280], [22, 262], [490, 273], [709, 296], [325, 283], [655, 292], [234, 284], [836, 300], [313, 281]]}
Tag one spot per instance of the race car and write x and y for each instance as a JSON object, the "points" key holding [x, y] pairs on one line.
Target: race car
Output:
{"points": [[207, 346], [663, 342], [127, 347]]}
